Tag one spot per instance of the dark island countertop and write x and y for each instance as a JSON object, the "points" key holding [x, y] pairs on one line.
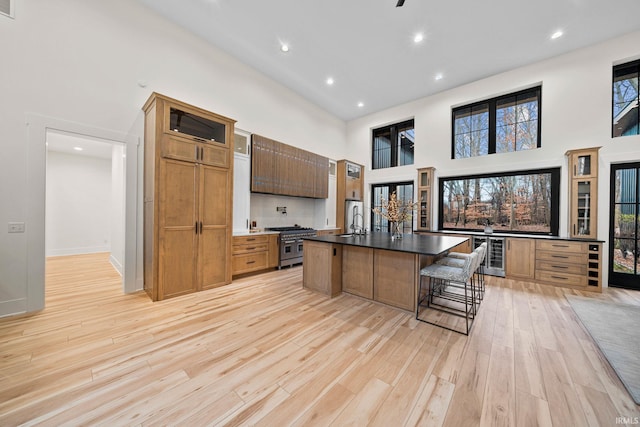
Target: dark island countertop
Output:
{"points": [[412, 243]]}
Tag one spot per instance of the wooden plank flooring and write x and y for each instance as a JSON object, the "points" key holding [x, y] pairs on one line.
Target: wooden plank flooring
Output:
{"points": [[264, 351]]}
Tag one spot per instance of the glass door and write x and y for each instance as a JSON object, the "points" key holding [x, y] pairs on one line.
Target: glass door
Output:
{"points": [[624, 250], [379, 192]]}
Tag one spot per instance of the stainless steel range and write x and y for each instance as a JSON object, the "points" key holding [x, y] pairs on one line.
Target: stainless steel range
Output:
{"points": [[291, 243]]}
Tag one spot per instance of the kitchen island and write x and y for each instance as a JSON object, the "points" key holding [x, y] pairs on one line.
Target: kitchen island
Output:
{"points": [[373, 266]]}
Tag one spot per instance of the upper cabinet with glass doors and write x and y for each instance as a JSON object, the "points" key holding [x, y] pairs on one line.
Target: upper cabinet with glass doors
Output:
{"points": [[425, 184], [583, 196]]}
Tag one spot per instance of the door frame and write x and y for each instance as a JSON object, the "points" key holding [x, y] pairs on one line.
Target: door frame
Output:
{"points": [[36, 129], [624, 280]]}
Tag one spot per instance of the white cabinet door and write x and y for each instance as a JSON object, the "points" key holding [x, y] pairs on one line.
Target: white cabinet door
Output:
{"points": [[241, 183], [330, 206]]}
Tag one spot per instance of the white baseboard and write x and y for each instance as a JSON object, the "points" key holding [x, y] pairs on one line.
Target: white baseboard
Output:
{"points": [[116, 264], [78, 251]]}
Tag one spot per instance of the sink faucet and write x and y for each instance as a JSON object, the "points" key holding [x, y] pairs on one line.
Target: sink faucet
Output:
{"points": [[357, 229]]}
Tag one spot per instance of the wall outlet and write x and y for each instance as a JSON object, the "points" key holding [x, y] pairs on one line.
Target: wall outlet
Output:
{"points": [[16, 227]]}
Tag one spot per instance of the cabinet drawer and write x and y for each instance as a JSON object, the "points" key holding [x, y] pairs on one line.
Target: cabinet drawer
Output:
{"points": [[562, 279], [562, 257], [559, 246], [561, 267], [214, 156], [247, 249], [172, 148], [244, 240], [250, 262]]}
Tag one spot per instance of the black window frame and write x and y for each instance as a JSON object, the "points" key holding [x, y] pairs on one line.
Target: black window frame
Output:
{"points": [[554, 225], [492, 109], [393, 186], [618, 70], [394, 132]]}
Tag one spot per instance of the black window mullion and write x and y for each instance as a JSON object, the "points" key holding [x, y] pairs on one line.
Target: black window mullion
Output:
{"points": [[492, 126]]}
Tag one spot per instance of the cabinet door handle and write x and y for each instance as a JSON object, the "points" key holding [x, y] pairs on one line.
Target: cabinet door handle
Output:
{"points": [[560, 266], [196, 227], [560, 256], [201, 153], [250, 262], [251, 240], [197, 153], [252, 248], [200, 227], [560, 246]]}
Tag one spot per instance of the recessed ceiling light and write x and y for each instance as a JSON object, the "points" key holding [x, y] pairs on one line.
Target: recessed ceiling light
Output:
{"points": [[360, 104], [438, 76], [330, 81], [78, 148], [418, 38], [556, 35], [284, 47]]}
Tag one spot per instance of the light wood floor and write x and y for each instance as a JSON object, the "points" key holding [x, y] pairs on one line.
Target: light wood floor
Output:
{"points": [[263, 351]]}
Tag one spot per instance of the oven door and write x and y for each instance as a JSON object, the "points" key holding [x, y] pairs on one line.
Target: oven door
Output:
{"points": [[299, 248], [288, 249]]}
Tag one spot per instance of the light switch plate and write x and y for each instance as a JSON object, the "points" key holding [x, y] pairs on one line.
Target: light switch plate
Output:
{"points": [[16, 227]]}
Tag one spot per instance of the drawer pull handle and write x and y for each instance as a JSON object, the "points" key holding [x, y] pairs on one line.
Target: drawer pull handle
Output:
{"points": [[558, 277], [251, 249], [250, 262], [560, 246], [560, 256], [560, 266], [251, 240]]}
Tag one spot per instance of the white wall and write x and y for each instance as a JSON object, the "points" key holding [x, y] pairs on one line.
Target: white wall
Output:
{"points": [[81, 61], [78, 200], [117, 206], [576, 113]]}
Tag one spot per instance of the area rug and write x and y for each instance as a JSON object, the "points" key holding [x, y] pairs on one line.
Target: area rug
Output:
{"points": [[616, 330]]}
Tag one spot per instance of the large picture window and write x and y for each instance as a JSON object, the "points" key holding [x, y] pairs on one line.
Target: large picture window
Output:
{"points": [[498, 125], [626, 114], [393, 145], [513, 202]]}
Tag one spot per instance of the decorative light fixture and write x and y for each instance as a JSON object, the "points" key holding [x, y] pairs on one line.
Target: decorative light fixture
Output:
{"points": [[556, 35]]}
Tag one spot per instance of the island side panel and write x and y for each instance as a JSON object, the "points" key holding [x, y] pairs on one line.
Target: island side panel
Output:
{"points": [[322, 271], [395, 278], [357, 271]]}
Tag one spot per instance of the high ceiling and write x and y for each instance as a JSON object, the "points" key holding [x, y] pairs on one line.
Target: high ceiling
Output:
{"points": [[367, 46]]}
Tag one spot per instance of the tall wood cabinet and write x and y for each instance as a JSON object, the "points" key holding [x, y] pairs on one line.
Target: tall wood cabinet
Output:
{"points": [[425, 183], [350, 186], [583, 193], [188, 187]]}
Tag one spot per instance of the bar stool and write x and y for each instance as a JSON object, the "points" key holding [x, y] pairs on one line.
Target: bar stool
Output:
{"points": [[449, 288], [456, 259]]}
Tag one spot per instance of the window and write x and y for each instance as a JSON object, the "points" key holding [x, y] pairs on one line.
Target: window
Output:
{"points": [[393, 145], [514, 202], [499, 125], [404, 192], [626, 114]]}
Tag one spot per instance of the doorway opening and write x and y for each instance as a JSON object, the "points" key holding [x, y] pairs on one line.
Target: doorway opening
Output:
{"points": [[85, 197], [624, 228]]}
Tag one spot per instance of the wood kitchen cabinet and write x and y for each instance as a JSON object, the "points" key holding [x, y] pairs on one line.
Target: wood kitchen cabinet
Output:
{"points": [[520, 258], [583, 193], [188, 189], [278, 168], [322, 270], [350, 186], [395, 278], [359, 280], [425, 183]]}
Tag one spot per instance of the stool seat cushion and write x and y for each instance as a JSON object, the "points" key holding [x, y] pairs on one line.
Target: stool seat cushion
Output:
{"points": [[446, 272]]}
